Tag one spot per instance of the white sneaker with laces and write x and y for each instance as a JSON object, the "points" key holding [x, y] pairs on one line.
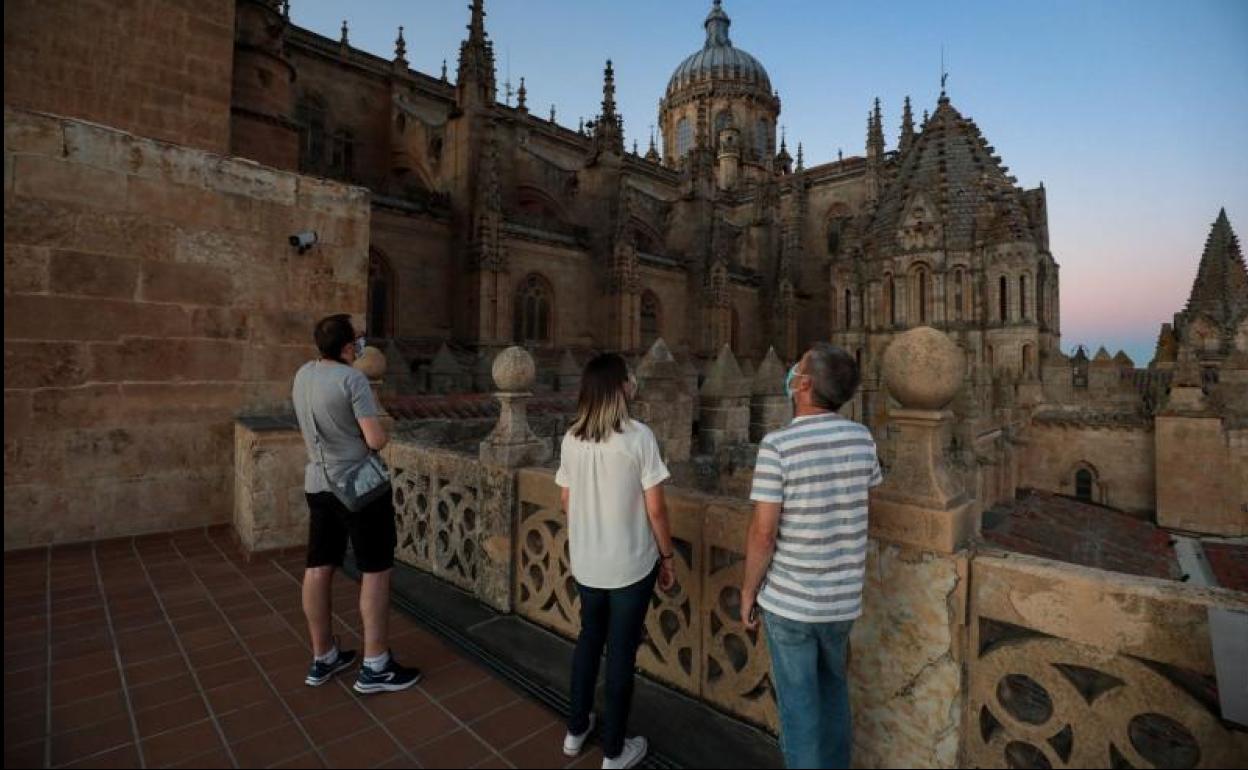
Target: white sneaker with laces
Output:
{"points": [[634, 751], [572, 743]]}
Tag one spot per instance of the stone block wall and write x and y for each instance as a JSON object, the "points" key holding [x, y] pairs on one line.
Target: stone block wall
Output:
{"points": [[1202, 483], [150, 296], [158, 68], [1120, 457], [269, 507]]}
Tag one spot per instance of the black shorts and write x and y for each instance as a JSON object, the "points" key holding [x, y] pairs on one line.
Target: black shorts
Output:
{"points": [[372, 533]]}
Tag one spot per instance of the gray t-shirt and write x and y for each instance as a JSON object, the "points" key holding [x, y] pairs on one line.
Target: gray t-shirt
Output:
{"points": [[339, 396]]}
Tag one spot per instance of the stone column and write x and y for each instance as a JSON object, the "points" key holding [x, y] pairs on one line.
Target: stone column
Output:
{"points": [[664, 402], [512, 443], [770, 408], [909, 646], [724, 405]]}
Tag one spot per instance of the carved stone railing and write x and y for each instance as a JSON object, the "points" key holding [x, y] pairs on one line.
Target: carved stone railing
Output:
{"points": [[1076, 667], [694, 640], [454, 518]]}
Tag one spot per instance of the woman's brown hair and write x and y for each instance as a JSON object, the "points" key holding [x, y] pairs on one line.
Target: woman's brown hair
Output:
{"points": [[602, 407]]}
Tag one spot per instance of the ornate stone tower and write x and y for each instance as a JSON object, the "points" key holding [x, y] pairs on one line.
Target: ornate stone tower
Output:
{"points": [[1215, 321], [719, 89], [262, 101]]}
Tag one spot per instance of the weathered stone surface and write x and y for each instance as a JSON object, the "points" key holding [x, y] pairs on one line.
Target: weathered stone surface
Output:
{"points": [[568, 374], [770, 408], [923, 368], [269, 509], [724, 405], [514, 370], [663, 402]]}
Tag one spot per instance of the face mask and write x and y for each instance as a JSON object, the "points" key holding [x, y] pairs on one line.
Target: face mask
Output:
{"points": [[360, 342], [788, 382]]}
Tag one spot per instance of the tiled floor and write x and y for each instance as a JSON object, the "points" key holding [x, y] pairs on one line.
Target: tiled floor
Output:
{"points": [[171, 650]]}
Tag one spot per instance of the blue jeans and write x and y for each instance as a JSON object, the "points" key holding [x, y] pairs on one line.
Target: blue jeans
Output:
{"points": [[612, 618], [812, 690]]}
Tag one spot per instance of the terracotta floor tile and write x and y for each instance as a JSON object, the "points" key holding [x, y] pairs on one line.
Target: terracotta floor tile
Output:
{"points": [[120, 757], [459, 749], [169, 716], [308, 701], [287, 676], [71, 648], [491, 762], [269, 641], [366, 749], [203, 621], [252, 720], [157, 670], [30, 754], [24, 727], [158, 693], [388, 705], [272, 747], [84, 687], [157, 648], [80, 744], [213, 759], [421, 725], [338, 722], [235, 696], [261, 625], [453, 679], [479, 700], [283, 656], [86, 665], [87, 712], [514, 723], [210, 655], [308, 760], [221, 674], [36, 676], [544, 749], [591, 757], [181, 744]]}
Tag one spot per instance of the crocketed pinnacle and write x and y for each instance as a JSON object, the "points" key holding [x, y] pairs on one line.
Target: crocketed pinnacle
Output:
{"points": [[1221, 287]]}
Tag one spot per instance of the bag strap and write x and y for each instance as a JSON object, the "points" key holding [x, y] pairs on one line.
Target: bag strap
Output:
{"points": [[316, 435]]}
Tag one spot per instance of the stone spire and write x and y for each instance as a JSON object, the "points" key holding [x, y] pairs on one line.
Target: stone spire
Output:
{"points": [[1221, 287], [400, 52], [343, 42], [801, 164], [444, 78], [717, 23], [784, 161], [552, 113], [907, 128], [608, 130], [522, 97], [487, 250], [652, 154], [475, 79], [875, 133]]}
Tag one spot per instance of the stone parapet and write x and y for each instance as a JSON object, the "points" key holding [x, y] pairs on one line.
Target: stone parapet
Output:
{"points": [[270, 511], [724, 405], [664, 403]]}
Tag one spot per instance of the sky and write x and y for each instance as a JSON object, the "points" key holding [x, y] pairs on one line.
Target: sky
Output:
{"points": [[1133, 113]]}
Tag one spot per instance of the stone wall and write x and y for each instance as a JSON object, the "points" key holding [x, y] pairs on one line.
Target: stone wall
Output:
{"points": [[269, 507], [1120, 457], [150, 296], [158, 68], [1203, 484]]}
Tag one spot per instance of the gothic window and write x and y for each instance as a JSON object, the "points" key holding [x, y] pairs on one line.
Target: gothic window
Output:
{"points": [[310, 115], [836, 230], [1003, 300], [380, 295], [1083, 484], [684, 137], [959, 295], [760, 139], [533, 316], [342, 156], [890, 299], [650, 330], [1022, 297]]}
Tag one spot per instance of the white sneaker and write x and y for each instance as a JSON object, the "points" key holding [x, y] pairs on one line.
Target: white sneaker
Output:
{"points": [[572, 743], [634, 751]]}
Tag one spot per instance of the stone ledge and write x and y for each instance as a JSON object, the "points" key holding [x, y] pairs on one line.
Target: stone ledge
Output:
{"points": [[928, 529]]}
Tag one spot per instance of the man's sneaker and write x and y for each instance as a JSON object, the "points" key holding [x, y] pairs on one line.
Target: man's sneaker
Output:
{"points": [[392, 678], [320, 673], [572, 743], [634, 751]]}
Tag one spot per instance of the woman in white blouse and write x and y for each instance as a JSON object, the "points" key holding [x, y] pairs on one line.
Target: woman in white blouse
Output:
{"points": [[620, 545]]}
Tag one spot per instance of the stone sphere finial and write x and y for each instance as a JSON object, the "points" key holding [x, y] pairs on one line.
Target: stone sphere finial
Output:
{"points": [[923, 368], [514, 370], [372, 362]]}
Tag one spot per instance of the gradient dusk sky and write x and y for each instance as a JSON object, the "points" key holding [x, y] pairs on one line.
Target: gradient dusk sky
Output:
{"points": [[1134, 113]]}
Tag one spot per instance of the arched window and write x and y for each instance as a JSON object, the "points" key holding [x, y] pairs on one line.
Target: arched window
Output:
{"points": [[959, 295], [380, 296], [650, 330], [760, 139], [533, 311], [920, 284], [684, 137], [310, 116], [849, 309], [342, 155], [890, 299], [1022, 297], [1084, 481], [1003, 300]]}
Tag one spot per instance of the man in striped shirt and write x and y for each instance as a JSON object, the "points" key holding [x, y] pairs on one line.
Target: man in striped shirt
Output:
{"points": [[806, 549]]}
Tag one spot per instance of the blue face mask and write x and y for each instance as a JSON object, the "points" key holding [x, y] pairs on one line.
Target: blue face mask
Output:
{"points": [[788, 381]]}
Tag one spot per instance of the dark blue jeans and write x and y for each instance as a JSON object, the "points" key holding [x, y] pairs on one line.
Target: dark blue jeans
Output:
{"points": [[812, 691], [613, 618]]}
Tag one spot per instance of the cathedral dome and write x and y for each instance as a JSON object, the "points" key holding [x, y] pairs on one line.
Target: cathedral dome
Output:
{"points": [[719, 60]]}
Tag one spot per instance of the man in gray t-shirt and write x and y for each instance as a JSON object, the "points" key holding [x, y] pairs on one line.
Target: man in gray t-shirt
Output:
{"points": [[341, 423]]}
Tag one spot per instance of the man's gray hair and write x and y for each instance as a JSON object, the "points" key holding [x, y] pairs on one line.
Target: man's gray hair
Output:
{"points": [[834, 375]]}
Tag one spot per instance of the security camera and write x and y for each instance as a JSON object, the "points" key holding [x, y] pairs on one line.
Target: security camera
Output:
{"points": [[303, 240]]}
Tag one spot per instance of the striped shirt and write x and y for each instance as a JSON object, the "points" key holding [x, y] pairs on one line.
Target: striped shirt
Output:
{"points": [[820, 468]]}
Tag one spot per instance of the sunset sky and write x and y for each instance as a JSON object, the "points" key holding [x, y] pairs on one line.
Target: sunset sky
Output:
{"points": [[1134, 113]]}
